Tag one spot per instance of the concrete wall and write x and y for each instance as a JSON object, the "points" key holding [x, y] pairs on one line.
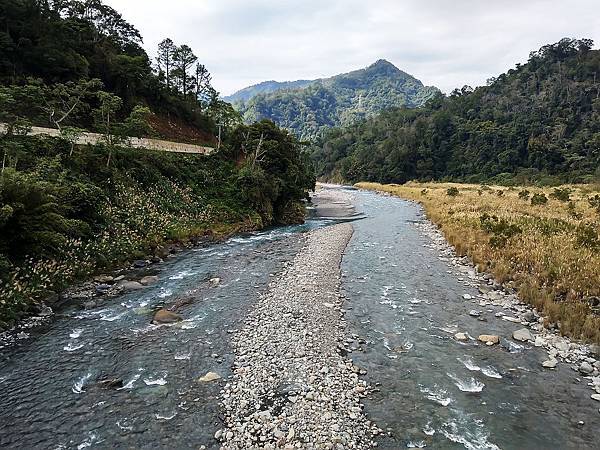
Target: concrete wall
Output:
{"points": [[150, 144]]}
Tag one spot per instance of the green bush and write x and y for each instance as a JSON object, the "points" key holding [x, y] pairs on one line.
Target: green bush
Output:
{"points": [[452, 192], [562, 194], [524, 194], [539, 199]]}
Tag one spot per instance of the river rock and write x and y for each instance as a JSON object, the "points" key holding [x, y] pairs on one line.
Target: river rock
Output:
{"points": [[522, 335], [550, 364], [111, 383], [474, 313], [103, 288], [210, 376], [461, 336], [214, 281], [148, 280], [489, 339], [104, 279], [528, 316], [596, 397], [131, 285], [595, 349], [140, 263], [164, 316], [586, 368]]}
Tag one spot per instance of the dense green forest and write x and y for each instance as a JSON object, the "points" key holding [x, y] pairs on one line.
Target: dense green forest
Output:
{"points": [[313, 108], [59, 58], [69, 211], [539, 122]]}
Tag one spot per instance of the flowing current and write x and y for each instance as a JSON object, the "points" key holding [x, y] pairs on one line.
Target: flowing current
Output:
{"points": [[404, 304]]}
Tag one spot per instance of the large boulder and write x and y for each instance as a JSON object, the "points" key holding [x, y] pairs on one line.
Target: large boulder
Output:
{"points": [[163, 316], [523, 335], [489, 339], [131, 285], [148, 280]]}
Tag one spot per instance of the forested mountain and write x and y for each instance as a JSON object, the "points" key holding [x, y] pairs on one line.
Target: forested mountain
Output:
{"points": [[57, 56], [539, 121], [338, 101], [266, 87]]}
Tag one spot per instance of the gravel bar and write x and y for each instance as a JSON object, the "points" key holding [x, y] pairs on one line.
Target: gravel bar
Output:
{"points": [[291, 386]]}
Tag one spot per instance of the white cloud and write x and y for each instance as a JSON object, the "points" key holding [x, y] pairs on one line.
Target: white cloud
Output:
{"points": [[446, 43]]}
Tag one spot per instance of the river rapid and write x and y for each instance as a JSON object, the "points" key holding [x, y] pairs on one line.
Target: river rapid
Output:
{"points": [[106, 378]]}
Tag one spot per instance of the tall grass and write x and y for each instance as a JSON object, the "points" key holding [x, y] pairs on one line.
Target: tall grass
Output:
{"points": [[549, 251]]}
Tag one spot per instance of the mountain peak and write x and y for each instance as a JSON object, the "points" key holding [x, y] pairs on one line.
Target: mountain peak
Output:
{"points": [[383, 65]]}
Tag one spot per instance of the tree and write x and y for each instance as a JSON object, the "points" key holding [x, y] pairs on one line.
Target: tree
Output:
{"points": [[166, 51], [105, 114], [183, 60], [63, 100], [137, 125], [203, 86], [71, 135]]}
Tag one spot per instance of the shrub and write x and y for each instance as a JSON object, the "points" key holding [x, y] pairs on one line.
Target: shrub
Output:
{"points": [[452, 192], [595, 202], [587, 237], [501, 229], [524, 194], [562, 194], [539, 199]]}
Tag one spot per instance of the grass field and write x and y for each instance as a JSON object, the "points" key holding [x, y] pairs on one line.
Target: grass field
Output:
{"points": [[545, 242]]}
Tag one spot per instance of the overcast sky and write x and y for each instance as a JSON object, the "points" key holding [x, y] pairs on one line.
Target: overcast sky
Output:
{"points": [[445, 43]]}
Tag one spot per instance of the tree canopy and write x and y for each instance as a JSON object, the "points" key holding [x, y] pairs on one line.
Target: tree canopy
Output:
{"points": [[538, 122]]}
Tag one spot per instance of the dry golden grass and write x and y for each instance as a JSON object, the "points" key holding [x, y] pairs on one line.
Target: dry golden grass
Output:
{"points": [[552, 255]]}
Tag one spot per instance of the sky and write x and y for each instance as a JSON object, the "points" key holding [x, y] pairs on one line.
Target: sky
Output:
{"points": [[444, 43]]}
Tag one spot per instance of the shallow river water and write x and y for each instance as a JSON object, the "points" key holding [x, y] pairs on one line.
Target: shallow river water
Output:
{"points": [[402, 301], [434, 390]]}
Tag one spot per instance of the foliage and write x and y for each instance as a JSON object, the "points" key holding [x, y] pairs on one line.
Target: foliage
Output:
{"points": [[56, 55], [540, 122], [310, 108], [275, 170], [524, 194], [562, 194], [539, 199], [452, 192]]}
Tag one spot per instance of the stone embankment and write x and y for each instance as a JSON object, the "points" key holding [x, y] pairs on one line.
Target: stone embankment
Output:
{"points": [[291, 387]]}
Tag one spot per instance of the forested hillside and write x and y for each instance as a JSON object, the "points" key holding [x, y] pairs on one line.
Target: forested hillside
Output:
{"points": [[60, 59], [68, 211], [338, 101], [538, 122]]}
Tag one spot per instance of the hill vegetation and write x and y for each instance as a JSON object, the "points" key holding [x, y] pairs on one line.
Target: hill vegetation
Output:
{"points": [[69, 211], [313, 108], [540, 122]]}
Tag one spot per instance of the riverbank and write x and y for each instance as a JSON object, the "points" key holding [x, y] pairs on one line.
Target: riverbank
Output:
{"points": [[421, 316], [291, 387], [69, 213], [541, 242]]}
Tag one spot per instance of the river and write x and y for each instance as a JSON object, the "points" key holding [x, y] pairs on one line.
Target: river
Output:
{"points": [[404, 304]]}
